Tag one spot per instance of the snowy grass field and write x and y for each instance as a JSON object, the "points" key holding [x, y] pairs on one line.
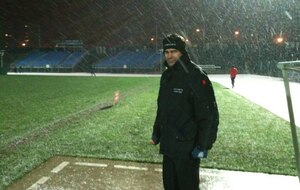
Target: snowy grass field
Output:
{"points": [[44, 116]]}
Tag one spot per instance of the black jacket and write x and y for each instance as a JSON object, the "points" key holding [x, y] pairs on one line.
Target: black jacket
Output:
{"points": [[187, 114]]}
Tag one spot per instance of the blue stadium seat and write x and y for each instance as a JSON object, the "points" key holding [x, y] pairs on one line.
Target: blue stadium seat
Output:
{"points": [[132, 59], [53, 59]]}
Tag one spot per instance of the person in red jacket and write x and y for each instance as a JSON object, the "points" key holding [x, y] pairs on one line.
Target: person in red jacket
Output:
{"points": [[233, 72]]}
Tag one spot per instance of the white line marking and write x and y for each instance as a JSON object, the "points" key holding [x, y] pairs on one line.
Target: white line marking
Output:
{"points": [[90, 164], [130, 167], [39, 182], [60, 167], [158, 169]]}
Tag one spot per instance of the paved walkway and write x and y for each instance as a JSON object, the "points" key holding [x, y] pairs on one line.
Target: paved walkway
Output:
{"points": [[268, 92], [67, 173], [61, 173]]}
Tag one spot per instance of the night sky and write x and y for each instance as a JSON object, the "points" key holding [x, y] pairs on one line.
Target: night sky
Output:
{"points": [[135, 22]]}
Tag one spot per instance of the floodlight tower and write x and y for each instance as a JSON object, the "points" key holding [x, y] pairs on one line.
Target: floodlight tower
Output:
{"points": [[2, 54]]}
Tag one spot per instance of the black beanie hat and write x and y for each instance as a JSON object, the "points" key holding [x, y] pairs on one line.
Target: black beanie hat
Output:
{"points": [[174, 41]]}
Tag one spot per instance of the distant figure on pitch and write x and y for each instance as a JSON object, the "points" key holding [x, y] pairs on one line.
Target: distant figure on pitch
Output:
{"points": [[233, 72], [93, 73]]}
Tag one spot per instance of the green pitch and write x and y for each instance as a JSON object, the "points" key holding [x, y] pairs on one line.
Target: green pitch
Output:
{"points": [[46, 116]]}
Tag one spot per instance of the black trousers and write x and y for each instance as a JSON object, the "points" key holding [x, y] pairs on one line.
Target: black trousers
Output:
{"points": [[232, 80], [180, 173]]}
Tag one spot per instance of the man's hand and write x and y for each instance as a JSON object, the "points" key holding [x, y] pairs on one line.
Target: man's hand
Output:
{"points": [[197, 153], [154, 140]]}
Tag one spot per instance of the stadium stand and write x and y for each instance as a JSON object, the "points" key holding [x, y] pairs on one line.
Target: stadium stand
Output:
{"points": [[73, 59], [29, 59], [51, 59], [131, 59], [79, 60]]}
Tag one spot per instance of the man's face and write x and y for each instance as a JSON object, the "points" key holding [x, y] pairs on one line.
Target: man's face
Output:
{"points": [[171, 56]]}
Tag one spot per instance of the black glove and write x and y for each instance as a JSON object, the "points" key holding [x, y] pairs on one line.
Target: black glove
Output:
{"points": [[197, 153]]}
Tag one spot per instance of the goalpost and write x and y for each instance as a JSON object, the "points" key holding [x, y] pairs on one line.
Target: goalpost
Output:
{"points": [[286, 68]]}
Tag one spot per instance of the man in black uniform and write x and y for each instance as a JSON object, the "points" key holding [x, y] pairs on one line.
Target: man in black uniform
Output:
{"points": [[187, 117]]}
